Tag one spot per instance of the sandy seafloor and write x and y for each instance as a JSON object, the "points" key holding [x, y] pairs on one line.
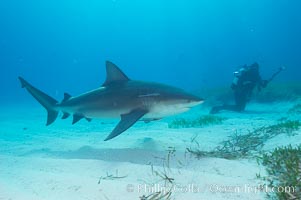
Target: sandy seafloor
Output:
{"points": [[65, 161]]}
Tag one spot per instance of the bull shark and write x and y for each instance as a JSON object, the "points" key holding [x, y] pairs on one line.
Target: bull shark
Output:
{"points": [[118, 97]]}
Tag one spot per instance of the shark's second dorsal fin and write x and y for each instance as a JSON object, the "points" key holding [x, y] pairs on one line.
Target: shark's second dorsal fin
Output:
{"points": [[114, 74], [66, 97]]}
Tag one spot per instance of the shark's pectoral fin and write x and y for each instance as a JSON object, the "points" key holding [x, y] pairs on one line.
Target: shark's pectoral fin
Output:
{"points": [[127, 120]]}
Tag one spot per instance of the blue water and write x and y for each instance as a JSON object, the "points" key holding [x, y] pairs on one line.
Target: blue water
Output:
{"points": [[62, 45]]}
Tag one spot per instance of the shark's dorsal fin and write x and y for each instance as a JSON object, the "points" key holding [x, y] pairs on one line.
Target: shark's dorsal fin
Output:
{"points": [[114, 74]]}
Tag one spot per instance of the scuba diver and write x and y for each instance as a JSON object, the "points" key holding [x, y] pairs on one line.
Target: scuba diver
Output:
{"points": [[245, 80]]}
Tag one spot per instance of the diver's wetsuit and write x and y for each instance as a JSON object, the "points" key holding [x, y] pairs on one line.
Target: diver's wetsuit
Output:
{"points": [[243, 87]]}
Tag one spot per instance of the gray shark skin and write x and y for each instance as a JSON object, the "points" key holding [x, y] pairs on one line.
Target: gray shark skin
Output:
{"points": [[118, 97]]}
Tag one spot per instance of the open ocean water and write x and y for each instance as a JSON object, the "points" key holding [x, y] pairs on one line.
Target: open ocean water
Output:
{"points": [[62, 48]]}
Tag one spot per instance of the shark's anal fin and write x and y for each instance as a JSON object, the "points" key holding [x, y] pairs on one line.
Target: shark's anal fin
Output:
{"points": [[127, 120], [76, 118]]}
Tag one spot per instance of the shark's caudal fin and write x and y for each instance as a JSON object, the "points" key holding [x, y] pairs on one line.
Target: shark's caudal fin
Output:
{"points": [[46, 101], [114, 74]]}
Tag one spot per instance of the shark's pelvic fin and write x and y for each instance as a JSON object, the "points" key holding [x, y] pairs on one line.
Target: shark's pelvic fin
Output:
{"points": [[127, 120], [46, 101], [114, 74], [65, 115]]}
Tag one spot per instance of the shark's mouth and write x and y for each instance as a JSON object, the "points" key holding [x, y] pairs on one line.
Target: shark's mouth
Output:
{"points": [[193, 104]]}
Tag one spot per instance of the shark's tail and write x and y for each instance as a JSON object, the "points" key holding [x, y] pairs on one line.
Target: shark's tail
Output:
{"points": [[46, 101]]}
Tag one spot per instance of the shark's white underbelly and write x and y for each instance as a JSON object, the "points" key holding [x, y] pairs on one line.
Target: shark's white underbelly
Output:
{"points": [[155, 111], [162, 111], [106, 114]]}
